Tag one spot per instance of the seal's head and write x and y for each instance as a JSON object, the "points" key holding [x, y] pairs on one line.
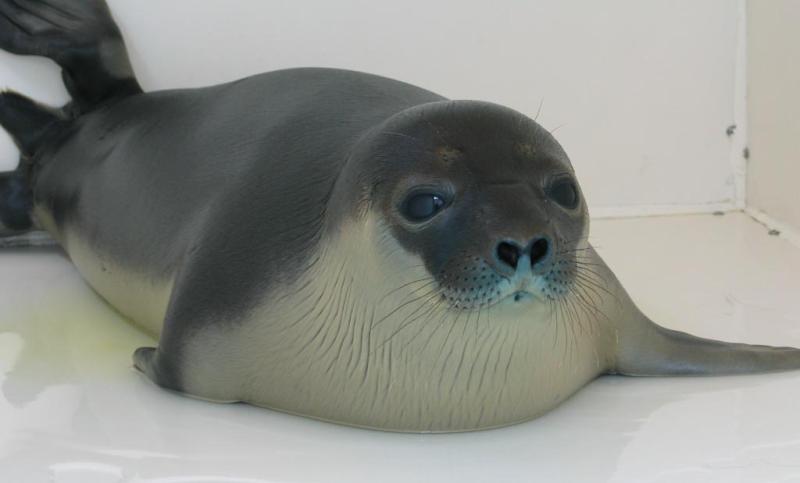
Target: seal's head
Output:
{"points": [[484, 196]]}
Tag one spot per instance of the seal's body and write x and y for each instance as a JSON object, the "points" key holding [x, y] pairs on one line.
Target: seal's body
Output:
{"points": [[244, 153], [326, 242]]}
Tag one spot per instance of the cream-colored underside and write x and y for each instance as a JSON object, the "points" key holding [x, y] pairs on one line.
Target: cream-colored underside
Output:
{"points": [[364, 340], [137, 295], [134, 293]]}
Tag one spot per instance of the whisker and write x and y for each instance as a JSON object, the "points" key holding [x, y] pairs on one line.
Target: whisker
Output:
{"points": [[404, 304], [430, 281], [406, 322]]}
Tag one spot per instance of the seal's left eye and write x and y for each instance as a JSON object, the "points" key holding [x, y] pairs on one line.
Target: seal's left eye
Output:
{"points": [[422, 206], [565, 193]]}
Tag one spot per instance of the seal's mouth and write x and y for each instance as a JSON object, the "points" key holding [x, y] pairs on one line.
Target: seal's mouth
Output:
{"points": [[521, 296], [471, 283]]}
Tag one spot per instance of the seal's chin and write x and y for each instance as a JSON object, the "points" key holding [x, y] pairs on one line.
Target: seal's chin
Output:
{"points": [[522, 304]]}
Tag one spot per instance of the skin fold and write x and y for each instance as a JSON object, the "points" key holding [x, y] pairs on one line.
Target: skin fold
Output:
{"points": [[329, 243]]}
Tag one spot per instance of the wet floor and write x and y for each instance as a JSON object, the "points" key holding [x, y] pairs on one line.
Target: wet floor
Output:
{"points": [[73, 410]]}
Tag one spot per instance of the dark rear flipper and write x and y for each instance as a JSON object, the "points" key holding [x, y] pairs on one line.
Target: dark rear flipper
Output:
{"points": [[81, 36], [16, 203], [16, 225], [28, 122], [83, 39], [30, 125]]}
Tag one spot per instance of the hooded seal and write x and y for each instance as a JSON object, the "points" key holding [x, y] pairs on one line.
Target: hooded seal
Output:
{"points": [[329, 243]]}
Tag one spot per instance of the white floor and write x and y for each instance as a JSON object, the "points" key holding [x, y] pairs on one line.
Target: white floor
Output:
{"points": [[72, 410]]}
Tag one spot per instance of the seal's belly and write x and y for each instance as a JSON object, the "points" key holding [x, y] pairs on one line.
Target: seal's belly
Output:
{"points": [[447, 372], [344, 359], [134, 293], [343, 344]]}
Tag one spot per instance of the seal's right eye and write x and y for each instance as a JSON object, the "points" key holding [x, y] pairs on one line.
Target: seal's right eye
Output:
{"points": [[420, 207]]}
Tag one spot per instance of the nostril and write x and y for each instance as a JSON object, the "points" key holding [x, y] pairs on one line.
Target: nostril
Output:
{"points": [[508, 253], [539, 250]]}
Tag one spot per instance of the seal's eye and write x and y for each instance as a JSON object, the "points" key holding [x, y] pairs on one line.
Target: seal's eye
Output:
{"points": [[422, 206], [564, 192]]}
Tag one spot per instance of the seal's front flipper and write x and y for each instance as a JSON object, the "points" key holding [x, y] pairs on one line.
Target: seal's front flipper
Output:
{"points": [[652, 350], [164, 372], [80, 36], [145, 360]]}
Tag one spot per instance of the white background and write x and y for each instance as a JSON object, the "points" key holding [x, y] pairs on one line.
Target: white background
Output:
{"points": [[773, 102], [639, 93]]}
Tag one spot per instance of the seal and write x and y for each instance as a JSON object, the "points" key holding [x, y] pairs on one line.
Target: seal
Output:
{"points": [[329, 243]]}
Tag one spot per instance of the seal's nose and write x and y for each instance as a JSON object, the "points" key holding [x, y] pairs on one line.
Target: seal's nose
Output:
{"points": [[538, 249], [510, 253]]}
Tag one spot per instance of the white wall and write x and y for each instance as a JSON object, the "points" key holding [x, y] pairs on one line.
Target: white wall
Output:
{"points": [[773, 171], [640, 92]]}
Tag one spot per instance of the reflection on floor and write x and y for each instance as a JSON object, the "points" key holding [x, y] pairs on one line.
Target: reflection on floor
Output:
{"points": [[71, 409]]}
